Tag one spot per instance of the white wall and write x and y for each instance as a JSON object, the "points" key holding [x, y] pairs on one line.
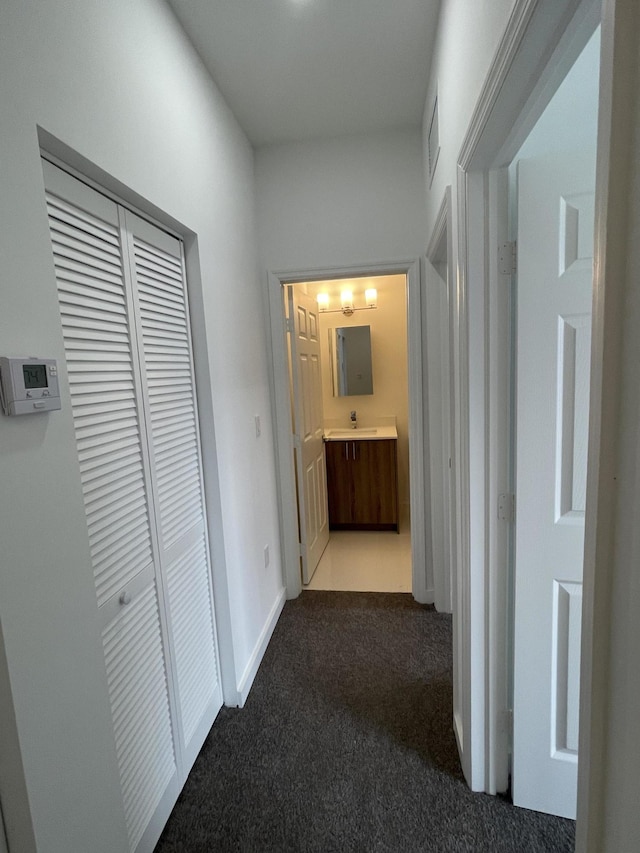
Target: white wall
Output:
{"points": [[118, 83], [339, 202], [467, 38]]}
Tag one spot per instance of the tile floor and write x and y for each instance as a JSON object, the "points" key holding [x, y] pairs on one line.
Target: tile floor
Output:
{"points": [[363, 561]]}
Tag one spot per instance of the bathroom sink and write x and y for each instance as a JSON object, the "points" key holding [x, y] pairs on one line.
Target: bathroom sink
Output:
{"points": [[349, 433]]}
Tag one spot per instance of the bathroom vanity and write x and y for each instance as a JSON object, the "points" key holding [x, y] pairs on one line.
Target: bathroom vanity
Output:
{"points": [[362, 478]]}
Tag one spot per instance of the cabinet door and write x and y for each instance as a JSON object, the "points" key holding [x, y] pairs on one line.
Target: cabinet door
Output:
{"points": [[375, 493], [339, 482], [362, 484]]}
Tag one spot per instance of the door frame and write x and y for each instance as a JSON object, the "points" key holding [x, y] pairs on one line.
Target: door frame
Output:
{"points": [[540, 43], [422, 581], [442, 232], [61, 155]]}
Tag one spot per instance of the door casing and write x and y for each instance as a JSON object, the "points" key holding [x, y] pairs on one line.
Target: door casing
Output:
{"points": [[60, 154], [422, 570], [540, 43], [441, 488]]}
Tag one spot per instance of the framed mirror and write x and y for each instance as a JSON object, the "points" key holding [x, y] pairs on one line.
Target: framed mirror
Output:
{"points": [[350, 350]]}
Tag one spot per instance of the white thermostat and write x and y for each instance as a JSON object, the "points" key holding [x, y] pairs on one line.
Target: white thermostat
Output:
{"points": [[29, 385]]}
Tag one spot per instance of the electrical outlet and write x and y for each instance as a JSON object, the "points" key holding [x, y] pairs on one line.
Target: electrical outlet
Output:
{"points": [[266, 556], [258, 430]]}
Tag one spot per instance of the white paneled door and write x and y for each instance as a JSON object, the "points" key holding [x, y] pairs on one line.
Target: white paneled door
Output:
{"points": [[124, 314], [555, 251], [311, 468]]}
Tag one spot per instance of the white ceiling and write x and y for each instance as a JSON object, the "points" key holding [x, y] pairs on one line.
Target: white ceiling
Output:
{"points": [[298, 69]]}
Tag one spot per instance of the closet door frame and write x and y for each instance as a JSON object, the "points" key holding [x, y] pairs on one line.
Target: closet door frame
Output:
{"points": [[65, 158], [103, 378], [176, 381]]}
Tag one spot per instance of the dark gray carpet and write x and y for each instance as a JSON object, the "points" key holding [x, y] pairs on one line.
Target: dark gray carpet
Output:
{"points": [[345, 744]]}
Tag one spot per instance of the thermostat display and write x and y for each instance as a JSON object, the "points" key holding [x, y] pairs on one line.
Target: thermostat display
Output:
{"points": [[29, 385], [35, 375]]}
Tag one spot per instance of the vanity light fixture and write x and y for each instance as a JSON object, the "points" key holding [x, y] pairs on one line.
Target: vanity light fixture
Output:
{"points": [[346, 301]]}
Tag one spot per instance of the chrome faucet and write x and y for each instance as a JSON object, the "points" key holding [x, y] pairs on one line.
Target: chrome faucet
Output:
{"points": [[353, 419]]}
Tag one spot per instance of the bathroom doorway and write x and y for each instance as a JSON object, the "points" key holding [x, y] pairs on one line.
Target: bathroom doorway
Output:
{"points": [[359, 394]]}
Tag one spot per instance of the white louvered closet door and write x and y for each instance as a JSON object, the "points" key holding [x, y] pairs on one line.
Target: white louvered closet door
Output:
{"points": [[167, 374], [148, 547]]}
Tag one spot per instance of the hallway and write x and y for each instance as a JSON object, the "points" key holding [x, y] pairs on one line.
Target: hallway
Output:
{"points": [[345, 744]]}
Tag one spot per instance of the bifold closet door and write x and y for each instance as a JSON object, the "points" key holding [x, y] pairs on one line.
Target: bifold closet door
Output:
{"points": [[163, 333], [138, 451]]}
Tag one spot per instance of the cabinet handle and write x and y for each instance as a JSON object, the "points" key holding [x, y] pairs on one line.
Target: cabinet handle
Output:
{"points": [[346, 450]]}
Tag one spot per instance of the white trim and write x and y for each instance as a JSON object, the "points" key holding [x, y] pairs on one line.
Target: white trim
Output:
{"points": [[251, 670], [469, 602], [280, 398], [443, 581], [442, 224], [210, 474], [47, 142], [421, 565], [498, 296], [539, 38], [540, 43], [607, 807], [507, 50]]}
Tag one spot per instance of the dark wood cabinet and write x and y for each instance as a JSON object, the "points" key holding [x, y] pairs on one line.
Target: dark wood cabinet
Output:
{"points": [[362, 484]]}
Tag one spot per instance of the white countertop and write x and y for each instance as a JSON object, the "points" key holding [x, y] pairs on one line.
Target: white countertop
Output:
{"points": [[360, 433]]}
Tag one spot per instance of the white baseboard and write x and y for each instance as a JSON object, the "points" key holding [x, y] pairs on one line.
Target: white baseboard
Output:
{"points": [[251, 670]]}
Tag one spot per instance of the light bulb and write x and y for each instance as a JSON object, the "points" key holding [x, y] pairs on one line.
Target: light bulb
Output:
{"points": [[323, 301], [346, 300], [371, 297]]}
